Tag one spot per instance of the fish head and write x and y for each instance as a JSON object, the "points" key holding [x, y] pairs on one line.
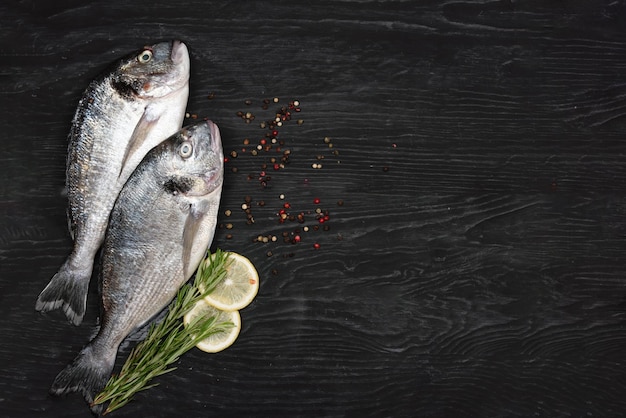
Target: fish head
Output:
{"points": [[195, 165], [154, 71]]}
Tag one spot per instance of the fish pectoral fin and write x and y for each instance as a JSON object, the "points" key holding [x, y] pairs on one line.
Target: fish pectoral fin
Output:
{"points": [[139, 136], [192, 224]]}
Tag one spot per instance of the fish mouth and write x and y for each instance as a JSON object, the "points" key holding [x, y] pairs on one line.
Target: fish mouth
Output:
{"points": [[179, 79], [216, 138], [209, 130], [179, 52], [212, 179]]}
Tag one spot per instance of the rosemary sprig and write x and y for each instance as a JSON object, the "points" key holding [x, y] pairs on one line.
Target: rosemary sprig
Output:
{"points": [[169, 339]]}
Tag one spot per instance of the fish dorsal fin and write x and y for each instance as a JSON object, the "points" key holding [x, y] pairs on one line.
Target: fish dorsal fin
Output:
{"points": [[138, 138], [192, 225]]}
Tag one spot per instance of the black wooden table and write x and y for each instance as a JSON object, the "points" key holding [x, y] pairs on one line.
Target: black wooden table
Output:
{"points": [[469, 156]]}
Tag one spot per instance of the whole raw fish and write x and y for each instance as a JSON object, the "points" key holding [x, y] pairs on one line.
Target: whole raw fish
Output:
{"points": [[122, 115], [160, 228]]}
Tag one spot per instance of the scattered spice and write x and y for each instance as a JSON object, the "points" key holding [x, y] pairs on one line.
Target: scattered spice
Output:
{"points": [[271, 148]]}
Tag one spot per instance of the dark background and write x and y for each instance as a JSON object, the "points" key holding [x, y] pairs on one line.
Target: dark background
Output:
{"points": [[476, 265]]}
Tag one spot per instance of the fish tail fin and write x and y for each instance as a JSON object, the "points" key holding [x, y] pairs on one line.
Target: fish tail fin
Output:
{"points": [[87, 374], [68, 290]]}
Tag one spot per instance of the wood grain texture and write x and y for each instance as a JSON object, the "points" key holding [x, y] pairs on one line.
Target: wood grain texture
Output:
{"points": [[475, 267]]}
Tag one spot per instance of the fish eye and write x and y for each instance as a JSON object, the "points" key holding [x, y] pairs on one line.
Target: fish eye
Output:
{"points": [[145, 56], [185, 150]]}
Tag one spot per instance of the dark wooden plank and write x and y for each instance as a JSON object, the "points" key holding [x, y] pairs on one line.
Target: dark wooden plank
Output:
{"points": [[475, 266]]}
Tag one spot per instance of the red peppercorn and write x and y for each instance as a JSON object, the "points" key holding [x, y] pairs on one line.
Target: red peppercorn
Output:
{"points": [[316, 246], [277, 167], [274, 133], [316, 201], [297, 238], [286, 205]]}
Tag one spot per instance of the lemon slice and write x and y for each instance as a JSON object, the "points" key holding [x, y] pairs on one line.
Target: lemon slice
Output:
{"points": [[238, 288], [220, 340]]}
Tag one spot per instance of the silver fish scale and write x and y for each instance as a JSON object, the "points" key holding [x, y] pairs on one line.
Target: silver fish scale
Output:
{"points": [[113, 128], [154, 242]]}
